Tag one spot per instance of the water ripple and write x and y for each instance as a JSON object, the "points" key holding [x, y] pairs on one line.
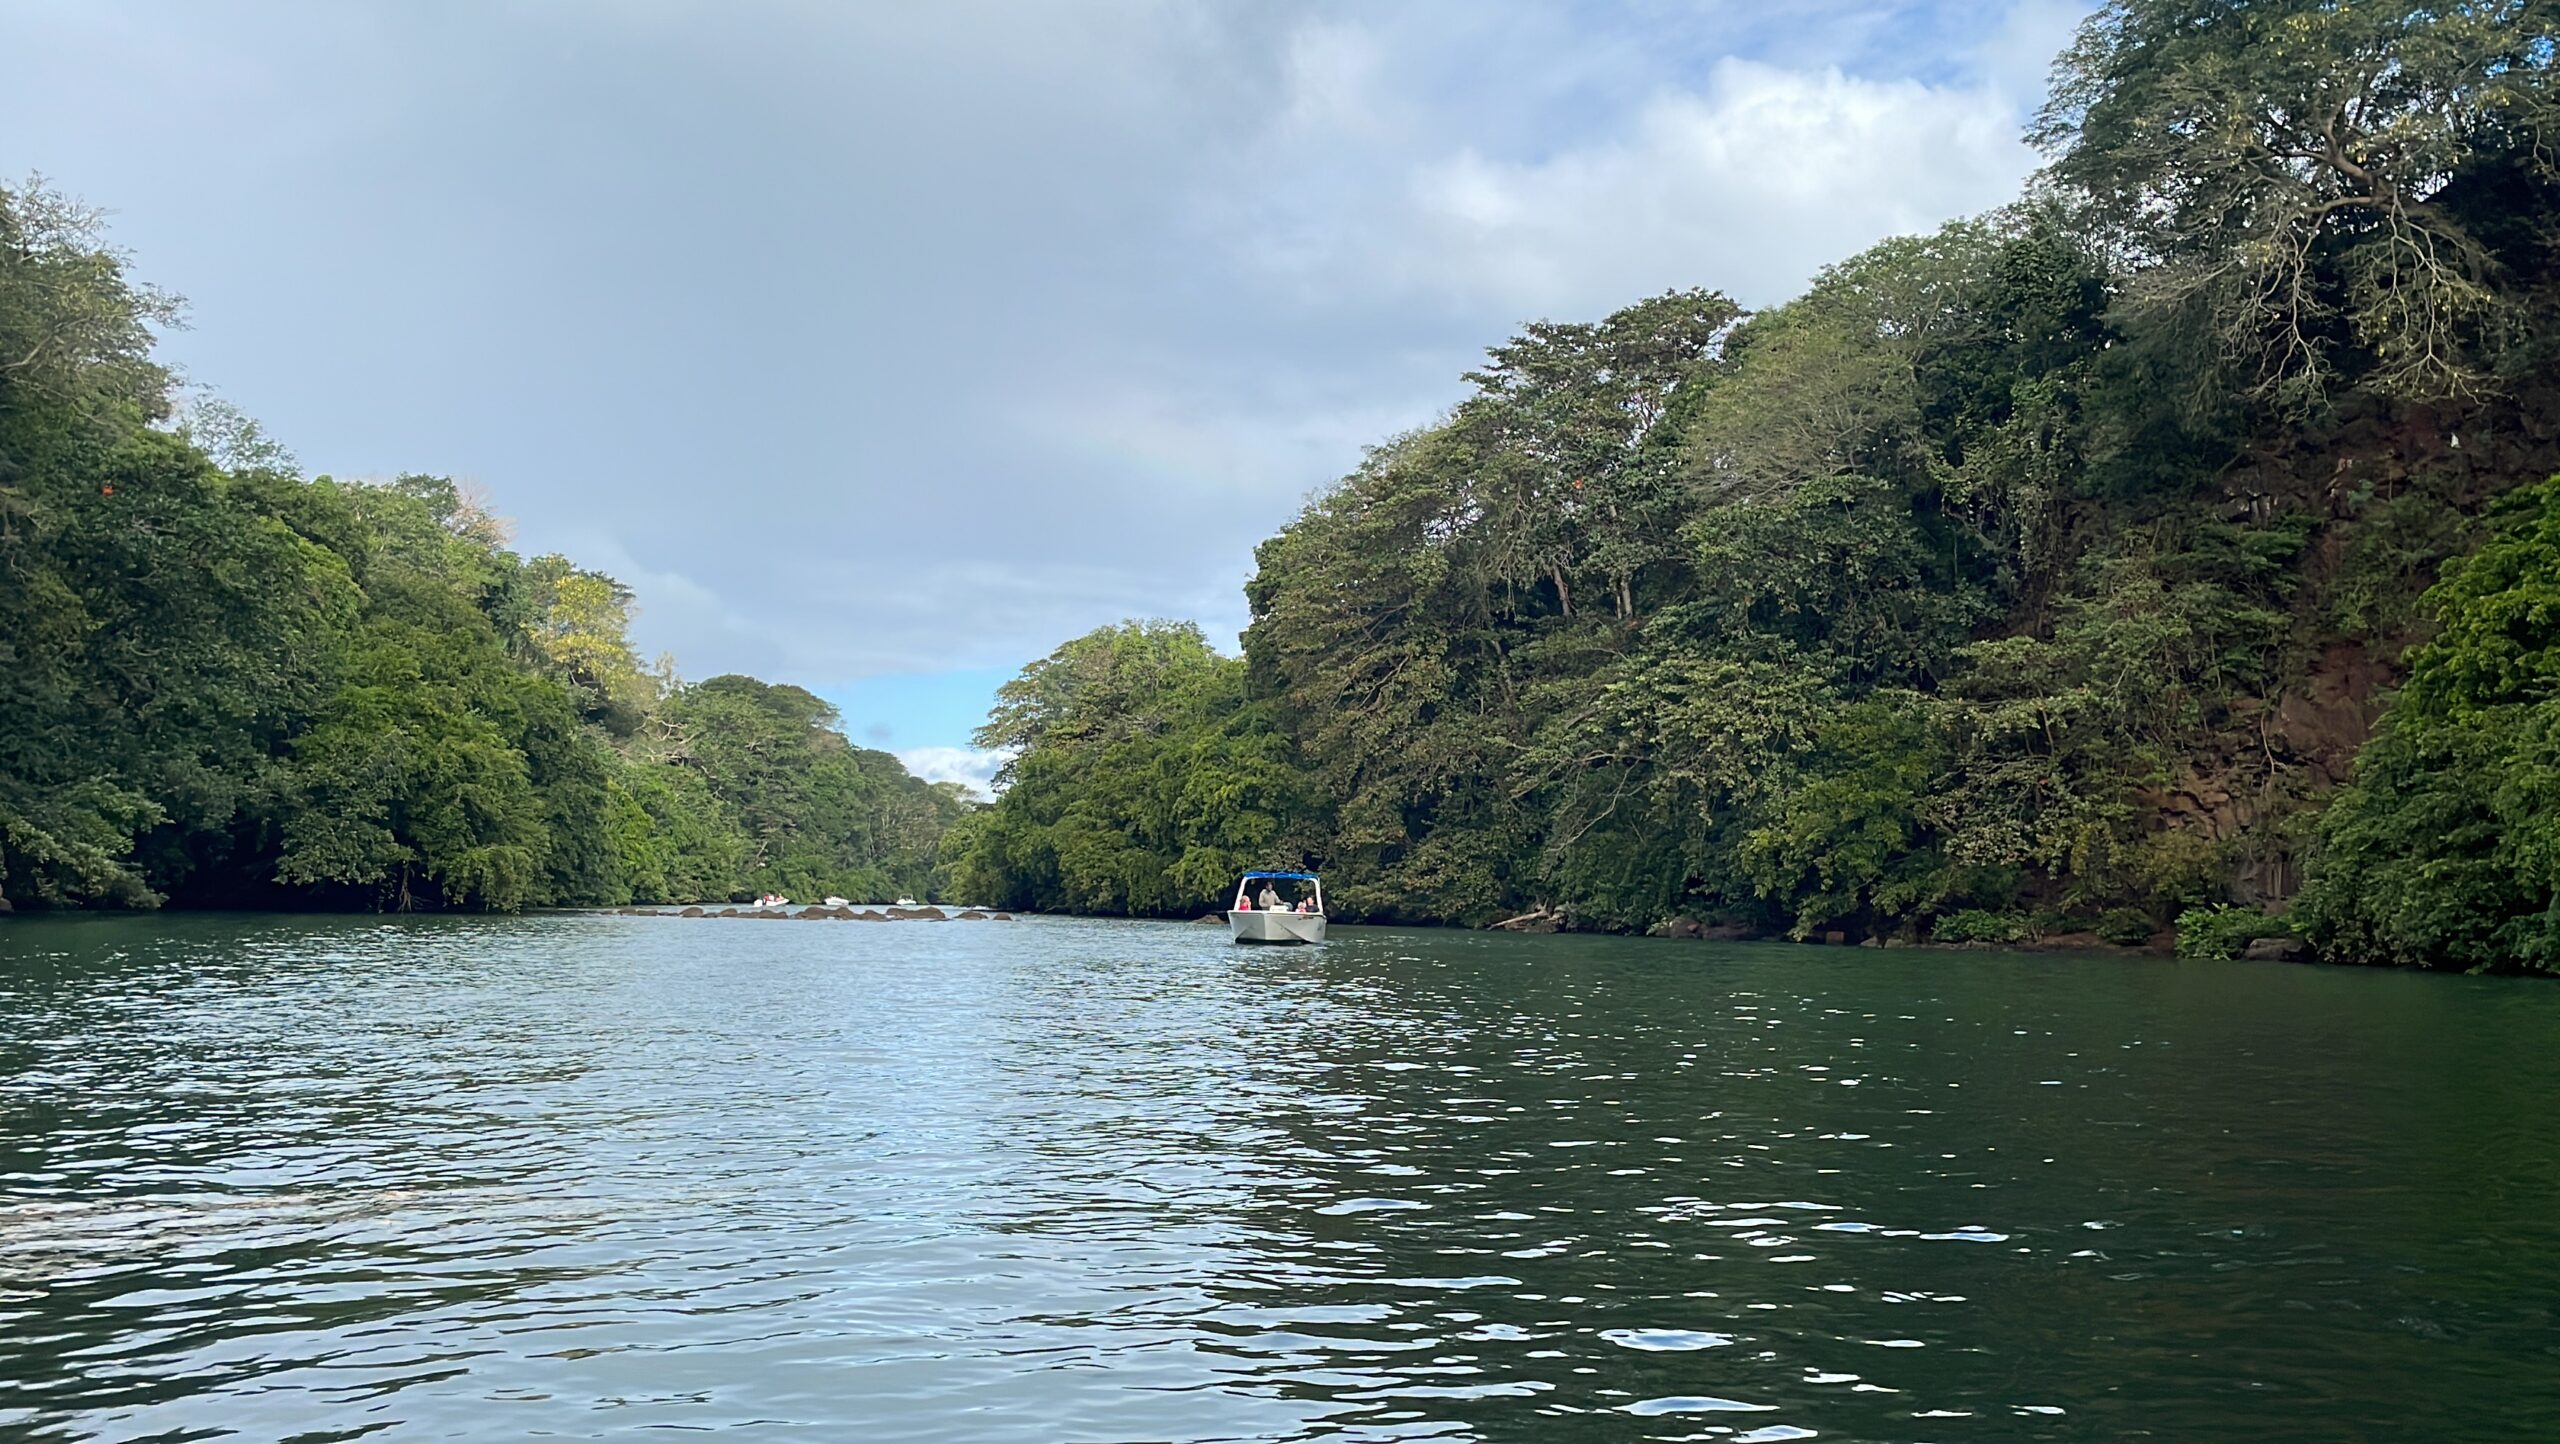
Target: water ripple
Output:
{"points": [[568, 1176]]}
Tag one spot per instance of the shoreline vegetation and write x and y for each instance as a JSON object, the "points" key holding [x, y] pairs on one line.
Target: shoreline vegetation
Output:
{"points": [[1687, 929], [2170, 557], [224, 685]]}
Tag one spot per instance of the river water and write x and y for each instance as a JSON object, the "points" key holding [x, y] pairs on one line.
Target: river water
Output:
{"points": [[579, 1177]]}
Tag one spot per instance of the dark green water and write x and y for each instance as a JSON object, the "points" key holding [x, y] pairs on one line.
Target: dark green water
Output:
{"points": [[582, 1177]]}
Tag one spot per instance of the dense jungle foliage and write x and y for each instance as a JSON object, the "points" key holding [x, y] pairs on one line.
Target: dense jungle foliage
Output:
{"points": [[2043, 574], [222, 684]]}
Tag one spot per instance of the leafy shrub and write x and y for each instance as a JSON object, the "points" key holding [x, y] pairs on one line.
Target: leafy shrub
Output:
{"points": [[2224, 931], [1980, 925], [2045, 922], [2392, 554], [2125, 927], [2439, 853]]}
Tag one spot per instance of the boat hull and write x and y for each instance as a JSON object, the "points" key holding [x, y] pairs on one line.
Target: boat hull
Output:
{"points": [[1275, 927]]}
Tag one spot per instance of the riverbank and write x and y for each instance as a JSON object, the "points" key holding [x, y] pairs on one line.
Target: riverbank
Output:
{"points": [[925, 914]]}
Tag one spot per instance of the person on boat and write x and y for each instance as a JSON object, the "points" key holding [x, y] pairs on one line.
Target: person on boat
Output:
{"points": [[1269, 901], [1306, 904], [1243, 904]]}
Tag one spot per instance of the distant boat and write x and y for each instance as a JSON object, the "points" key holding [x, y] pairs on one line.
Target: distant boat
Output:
{"points": [[907, 902], [1249, 923], [837, 902], [773, 900]]}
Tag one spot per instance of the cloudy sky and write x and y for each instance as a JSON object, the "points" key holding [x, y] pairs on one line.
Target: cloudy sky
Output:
{"points": [[881, 347]]}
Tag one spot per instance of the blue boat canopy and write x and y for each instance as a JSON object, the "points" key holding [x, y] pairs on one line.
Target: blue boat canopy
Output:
{"points": [[1285, 876]]}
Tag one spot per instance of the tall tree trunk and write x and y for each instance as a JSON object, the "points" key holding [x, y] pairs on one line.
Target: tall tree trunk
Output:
{"points": [[1564, 593]]}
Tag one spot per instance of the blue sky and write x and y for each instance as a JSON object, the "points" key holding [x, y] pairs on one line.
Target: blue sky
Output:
{"points": [[880, 348]]}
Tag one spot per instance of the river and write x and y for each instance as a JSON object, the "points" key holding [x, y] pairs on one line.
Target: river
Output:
{"points": [[577, 1177]]}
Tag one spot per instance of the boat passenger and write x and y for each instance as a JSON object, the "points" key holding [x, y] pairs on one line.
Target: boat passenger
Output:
{"points": [[1269, 900]]}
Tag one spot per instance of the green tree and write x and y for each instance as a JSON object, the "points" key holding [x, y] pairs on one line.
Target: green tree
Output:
{"points": [[2445, 850], [223, 683], [2308, 188], [1142, 779], [817, 815]]}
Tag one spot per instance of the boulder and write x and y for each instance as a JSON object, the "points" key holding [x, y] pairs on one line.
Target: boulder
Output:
{"points": [[1005, 917], [971, 916], [1836, 938], [1676, 928], [1213, 919], [2278, 950], [692, 913]]}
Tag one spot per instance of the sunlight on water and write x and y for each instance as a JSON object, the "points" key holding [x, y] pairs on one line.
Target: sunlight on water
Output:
{"points": [[1050, 1180]]}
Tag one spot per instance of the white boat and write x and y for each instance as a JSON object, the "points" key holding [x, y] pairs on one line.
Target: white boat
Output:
{"points": [[838, 902], [1250, 922]]}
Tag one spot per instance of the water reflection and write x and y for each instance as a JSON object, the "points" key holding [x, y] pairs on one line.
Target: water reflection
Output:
{"points": [[1096, 1181]]}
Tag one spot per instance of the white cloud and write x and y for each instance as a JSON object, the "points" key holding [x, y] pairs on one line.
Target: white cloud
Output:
{"points": [[1331, 72], [2017, 60], [973, 766], [1748, 184]]}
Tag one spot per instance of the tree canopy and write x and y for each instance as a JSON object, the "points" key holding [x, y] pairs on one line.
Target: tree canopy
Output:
{"points": [[2056, 571], [1142, 779], [2043, 573], [2319, 191], [222, 683]]}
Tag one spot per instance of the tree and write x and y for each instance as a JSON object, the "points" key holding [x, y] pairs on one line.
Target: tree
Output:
{"points": [[817, 815], [1145, 780], [406, 792], [75, 329], [579, 623], [1565, 419], [222, 683], [2444, 852], [2298, 186]]}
